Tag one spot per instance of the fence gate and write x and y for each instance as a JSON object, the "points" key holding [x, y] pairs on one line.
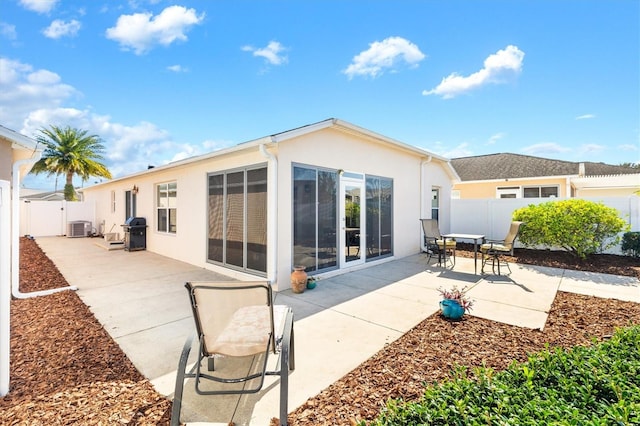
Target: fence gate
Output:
{"points": [[50, 218]]}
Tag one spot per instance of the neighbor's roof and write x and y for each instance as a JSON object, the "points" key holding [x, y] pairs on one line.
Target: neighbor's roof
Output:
{"points": [[514, 166], [18, 140]]}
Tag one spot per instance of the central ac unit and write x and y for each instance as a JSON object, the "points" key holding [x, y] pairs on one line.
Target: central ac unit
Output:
{"points": [[79, 228]]}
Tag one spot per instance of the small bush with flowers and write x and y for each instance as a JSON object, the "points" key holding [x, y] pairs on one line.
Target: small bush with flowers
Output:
{"points": [[459, 295]]}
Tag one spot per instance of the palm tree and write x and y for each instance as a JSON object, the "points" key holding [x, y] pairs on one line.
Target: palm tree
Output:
{"points": [[70, 152]]}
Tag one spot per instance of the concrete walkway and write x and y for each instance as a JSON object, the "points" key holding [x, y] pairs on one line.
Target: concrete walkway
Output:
{"points": [[140, 299]]}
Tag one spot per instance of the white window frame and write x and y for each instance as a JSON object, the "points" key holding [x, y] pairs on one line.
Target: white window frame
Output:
{"points": [[168, 207]]}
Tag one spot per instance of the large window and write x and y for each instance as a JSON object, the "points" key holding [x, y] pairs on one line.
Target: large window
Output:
{"points": [[237, 216], [315, 209], [379, 217], [166, 207]]}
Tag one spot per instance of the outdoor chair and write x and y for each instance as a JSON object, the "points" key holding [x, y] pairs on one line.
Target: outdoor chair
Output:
{"points": [[435, 244], [495, 250], [236, 319]]}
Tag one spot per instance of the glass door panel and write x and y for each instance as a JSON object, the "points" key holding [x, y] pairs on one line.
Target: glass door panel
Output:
{"points": [[352, 235]]}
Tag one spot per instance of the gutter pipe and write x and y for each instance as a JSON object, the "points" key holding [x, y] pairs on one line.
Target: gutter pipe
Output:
{"points": [[5, 285], [15, 235], [272, 217], [422, 195]]}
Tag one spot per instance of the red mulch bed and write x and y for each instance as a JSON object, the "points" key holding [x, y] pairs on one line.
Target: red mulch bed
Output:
{"points": [[66, 369]]}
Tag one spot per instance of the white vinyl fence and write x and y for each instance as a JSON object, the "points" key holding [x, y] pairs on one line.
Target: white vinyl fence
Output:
{"points": [[50, 218], [491, 217]]}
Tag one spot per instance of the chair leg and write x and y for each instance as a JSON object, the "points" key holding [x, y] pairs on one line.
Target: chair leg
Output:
{"points": [[177, 394], [287, 363]]}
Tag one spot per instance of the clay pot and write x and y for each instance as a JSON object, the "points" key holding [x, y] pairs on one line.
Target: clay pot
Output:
{"points": [[298, 279]]}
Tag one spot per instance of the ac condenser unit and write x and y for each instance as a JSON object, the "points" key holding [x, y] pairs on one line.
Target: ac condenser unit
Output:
{"points": [[78, 228]]}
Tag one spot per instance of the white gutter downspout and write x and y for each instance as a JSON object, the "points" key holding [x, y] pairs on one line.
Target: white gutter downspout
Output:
{"points": [[5, 285], [272, 208], [15, 235], [422, 196]]}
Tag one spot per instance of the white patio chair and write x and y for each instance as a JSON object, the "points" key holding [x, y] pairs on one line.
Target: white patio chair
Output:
{"points": [[236, 319]]}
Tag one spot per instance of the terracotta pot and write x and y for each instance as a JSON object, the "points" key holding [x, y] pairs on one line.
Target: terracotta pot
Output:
{"points": [[298, 279]]}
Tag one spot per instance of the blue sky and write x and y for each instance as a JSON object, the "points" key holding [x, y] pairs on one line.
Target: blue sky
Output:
{"points": [[161, 80]]}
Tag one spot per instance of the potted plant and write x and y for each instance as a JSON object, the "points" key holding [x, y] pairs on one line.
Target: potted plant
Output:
{"points": [[311, 282], [454, 302]]}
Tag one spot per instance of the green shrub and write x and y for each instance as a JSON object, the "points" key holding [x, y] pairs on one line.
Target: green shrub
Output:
{"points": [[578, 226], [597, 385], [631, 243]]}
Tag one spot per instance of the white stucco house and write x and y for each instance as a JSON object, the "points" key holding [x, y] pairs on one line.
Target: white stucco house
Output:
{"points": [[331, 196]]}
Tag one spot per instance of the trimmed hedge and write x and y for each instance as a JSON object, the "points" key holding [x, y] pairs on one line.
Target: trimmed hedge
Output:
{"points": [[595, 385]]}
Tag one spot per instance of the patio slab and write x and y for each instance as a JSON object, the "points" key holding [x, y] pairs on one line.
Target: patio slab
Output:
{"points": [[140, 299]]}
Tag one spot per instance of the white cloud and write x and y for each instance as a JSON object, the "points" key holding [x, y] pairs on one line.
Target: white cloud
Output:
{"points": [[8, 31], [592, 148], [40, 6], [544, 148], [272, 53], [628, 147], [59, 28], [384, 55], [32, 99], [504, 63], [177, 68], [495, 138], [140, 32], [585, 117], [23, 89]]}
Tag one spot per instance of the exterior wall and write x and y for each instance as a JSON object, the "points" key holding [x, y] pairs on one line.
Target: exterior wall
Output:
{"points": [[602, 192], [337, 150], [488, 189], [190, 241], [328, 148]]}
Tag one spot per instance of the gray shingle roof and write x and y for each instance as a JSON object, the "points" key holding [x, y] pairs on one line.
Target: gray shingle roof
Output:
{"points": [[512, 166]]}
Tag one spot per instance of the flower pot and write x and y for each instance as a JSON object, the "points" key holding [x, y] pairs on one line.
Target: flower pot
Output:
{"points": [[451, 309], [298, 279]]}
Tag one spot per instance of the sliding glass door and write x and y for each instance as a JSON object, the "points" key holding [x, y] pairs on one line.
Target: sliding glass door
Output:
{"points": [[314, 218]]}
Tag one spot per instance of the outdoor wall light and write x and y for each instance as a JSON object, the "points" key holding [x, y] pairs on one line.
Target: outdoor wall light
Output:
{"points": [[135, 189]]}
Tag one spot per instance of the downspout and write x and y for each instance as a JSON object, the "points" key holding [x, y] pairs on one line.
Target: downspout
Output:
{"points": [[5, 285], [272, 217], [422, 196], [15, 235]]}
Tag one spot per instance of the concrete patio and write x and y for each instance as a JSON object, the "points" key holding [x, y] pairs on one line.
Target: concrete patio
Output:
{"points": [[140, 299]]}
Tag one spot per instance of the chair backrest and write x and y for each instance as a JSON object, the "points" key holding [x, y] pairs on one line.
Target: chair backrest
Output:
{"points": [[216, 305], [512, 235], [430, 228]]}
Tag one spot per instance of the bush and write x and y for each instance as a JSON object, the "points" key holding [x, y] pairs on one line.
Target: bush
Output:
{"points": [[631, 243], [578, 226], [594, 385]]}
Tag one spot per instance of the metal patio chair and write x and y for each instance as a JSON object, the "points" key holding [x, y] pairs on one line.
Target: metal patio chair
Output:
{"points": [[495, 250], [236, 319], [435, 244]]}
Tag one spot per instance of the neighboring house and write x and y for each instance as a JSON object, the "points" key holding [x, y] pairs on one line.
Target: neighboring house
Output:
{"points": [[330, 196], [507, 175], [38, 195]]}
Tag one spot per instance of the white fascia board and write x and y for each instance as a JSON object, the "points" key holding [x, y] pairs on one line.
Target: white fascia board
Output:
{"points": [[191, 160], [520, 179], [18, 140]]}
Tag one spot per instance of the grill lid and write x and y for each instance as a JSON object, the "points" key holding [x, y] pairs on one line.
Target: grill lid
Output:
{"points": [[136, 221]]}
